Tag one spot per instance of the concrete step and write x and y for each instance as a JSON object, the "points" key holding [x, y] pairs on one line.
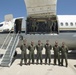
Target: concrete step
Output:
{"points": [[5, 60], [5, 64]]}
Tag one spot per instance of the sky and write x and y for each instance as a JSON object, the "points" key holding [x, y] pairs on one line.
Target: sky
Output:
{"points": [[18, 9]]}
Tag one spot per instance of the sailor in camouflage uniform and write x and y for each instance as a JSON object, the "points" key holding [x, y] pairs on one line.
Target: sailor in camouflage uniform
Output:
{"points": [[39, 48], [23, 48], [31, 49], [48, 47], [56, 49], [64, 52]]}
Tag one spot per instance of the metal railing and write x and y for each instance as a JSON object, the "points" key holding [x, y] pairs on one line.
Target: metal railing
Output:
{"points": [[7, 39], [13, 48], [6, 49], [13, 44], [10, 49]]}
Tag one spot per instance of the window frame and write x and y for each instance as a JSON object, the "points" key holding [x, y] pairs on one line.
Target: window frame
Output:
{"points": [[61, 23], [66, 24], [71, 23]]}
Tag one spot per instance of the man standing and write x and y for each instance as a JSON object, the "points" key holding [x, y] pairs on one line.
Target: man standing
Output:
{"points": [[48, 47], [64, 52], [31, 49], [56, 49], [39, 48], [23, 48], [50, 24], [34, 25]]}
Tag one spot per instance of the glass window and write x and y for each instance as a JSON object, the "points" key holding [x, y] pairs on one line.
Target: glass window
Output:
{"points": [[61, 24], [75, 23], [71, 24], [1, 25], [66, 24]]}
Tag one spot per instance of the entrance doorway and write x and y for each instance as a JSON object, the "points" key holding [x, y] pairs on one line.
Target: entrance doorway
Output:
{"points": [[18, 27]]}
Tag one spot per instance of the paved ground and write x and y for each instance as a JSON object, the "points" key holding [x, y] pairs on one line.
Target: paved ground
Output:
{"points": [[16, 69]]}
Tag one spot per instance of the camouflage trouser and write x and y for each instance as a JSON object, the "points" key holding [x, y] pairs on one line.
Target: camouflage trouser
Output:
{"points": [[47, 56], [23, 57], [39, 56], [56, 57], [62, 58], [31, 56]]}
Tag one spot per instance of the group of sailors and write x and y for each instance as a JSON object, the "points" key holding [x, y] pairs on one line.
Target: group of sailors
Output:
{"points": [[60, 53], [46, 26]]}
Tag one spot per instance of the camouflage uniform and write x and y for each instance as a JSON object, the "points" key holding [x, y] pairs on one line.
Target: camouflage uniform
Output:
{"points": [[23, 48], [64, 52], [49, 25], [48, 52], [39, 48], [56, 49], [34, 26], [31, 52]]}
